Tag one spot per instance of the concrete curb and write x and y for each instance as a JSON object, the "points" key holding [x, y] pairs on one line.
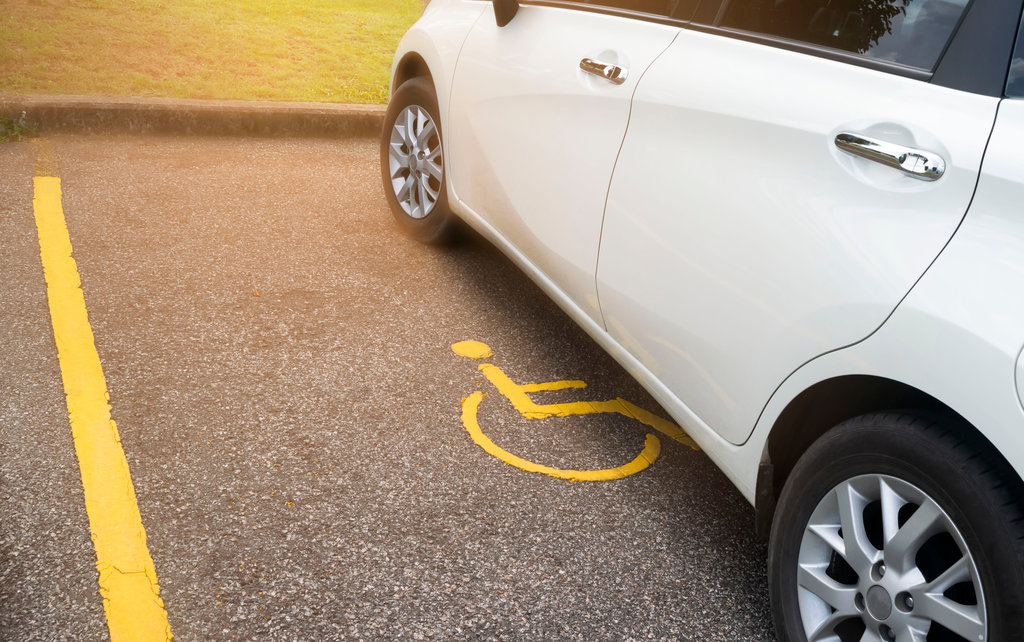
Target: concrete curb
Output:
{"points": [[179, 116]]}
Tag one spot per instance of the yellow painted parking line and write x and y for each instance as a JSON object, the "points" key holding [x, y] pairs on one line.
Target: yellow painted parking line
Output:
{"points": [[517, 395], [127, 577]]}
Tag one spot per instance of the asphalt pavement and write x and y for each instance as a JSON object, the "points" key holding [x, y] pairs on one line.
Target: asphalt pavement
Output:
{"points": [[279, 363]]}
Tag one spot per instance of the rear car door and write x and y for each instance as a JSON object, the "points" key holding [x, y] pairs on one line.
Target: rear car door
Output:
{"points": [[533, 135], [744, 235]]}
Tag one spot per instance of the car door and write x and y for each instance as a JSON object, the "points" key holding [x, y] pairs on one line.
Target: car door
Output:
{"points": [[533, 135], [744, 235]]}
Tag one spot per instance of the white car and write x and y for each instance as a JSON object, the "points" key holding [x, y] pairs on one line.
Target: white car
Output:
{"points": [[800, 225]]}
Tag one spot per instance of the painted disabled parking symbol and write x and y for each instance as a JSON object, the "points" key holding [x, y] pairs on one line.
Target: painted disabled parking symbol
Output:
{"points": [[519, 396]]}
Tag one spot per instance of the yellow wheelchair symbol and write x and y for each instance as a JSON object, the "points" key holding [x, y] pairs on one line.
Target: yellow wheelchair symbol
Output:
{"points": [[518, 395]]}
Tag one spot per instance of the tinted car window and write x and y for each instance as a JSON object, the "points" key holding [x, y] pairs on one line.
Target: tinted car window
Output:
{"points": [[909, 32], [680, 9], [1015, 80]]}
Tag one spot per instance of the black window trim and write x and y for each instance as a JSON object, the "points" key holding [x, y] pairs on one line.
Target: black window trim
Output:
{"points": [[611, 11]]}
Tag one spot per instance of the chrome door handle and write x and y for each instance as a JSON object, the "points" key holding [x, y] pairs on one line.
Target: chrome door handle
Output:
{"points": [[612, 73], [918, 163]]}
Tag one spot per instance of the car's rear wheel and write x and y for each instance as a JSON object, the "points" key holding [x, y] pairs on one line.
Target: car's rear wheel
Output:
{"points": [[892, 527], [412, 163]]}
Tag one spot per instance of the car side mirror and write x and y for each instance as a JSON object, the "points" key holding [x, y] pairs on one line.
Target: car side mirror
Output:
{"points": [[504, 11]]}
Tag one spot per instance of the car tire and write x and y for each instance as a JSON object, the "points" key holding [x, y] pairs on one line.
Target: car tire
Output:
{"points": [[412, 164], [925, 503]]}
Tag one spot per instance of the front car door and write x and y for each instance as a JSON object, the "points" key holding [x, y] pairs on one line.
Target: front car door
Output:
{"points": [[740, 240], [533, 135]]}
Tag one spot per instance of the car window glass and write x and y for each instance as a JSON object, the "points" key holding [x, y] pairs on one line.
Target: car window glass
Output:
{"points": [[909, 32], [1015, 80], [707, 11], [679, 9]]}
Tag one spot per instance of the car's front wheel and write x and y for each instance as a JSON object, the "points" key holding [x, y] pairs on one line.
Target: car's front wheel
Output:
{"points": [[412, 163], [894, 528]]}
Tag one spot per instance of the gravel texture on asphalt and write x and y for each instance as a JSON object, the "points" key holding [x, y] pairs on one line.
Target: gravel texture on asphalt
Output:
{"points": [[279, 364], [48, 588]]}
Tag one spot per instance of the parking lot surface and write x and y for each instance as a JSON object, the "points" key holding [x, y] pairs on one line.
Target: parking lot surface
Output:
{"points": [[280, 367]]}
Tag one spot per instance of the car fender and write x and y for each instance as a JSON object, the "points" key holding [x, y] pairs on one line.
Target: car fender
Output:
{"points": [[437, 38]]}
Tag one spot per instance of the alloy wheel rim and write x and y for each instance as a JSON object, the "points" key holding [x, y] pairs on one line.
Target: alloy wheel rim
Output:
{"points": [[881, 561], [415, 161]]}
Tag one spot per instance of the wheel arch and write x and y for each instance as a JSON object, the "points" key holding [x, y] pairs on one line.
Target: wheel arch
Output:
{"points": [[826, 404], [411, 65]]}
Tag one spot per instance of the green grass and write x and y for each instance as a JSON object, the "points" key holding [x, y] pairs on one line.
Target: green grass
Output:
{"points": [[15, 129], [296, 50]]}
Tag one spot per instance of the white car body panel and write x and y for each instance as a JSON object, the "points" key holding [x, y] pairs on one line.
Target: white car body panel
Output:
{"points": [[736, 233], [437, 37], [957, 336], [543, 187]]}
